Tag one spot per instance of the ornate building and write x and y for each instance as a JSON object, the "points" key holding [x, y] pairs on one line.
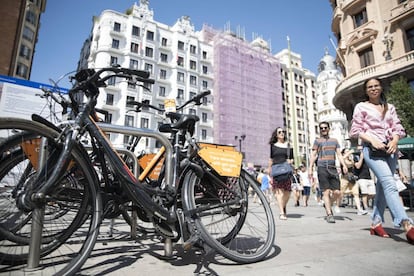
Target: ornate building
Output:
{"points": [[375, 39], [328, 78]]}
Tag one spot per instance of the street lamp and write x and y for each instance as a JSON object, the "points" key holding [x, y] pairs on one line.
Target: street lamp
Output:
{"points": [[240, 138]]}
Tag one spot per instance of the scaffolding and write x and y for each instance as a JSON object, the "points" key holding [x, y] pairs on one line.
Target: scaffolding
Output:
{"points": [[247, 94]]}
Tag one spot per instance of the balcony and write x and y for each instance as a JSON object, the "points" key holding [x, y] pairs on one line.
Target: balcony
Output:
{"points": [[349, 91], [403, 11]]}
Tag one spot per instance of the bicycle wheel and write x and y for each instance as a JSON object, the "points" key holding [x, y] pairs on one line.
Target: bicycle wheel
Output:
{"points": [[72, 209], [228, 221]]}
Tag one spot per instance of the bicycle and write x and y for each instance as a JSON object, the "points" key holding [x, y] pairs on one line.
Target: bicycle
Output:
{"points": [[178, 208]]}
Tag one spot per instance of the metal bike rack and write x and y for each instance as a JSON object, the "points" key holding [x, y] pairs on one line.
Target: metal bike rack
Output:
{"points": [[169, 176]]}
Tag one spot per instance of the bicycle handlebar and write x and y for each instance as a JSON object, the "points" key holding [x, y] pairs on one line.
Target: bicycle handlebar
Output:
{"points": [[87, 77]]}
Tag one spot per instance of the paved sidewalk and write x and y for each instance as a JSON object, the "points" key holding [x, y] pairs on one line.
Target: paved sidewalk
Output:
{"points": [[305, 245]]}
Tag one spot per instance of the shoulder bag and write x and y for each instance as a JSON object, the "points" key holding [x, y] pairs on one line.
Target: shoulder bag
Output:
{"points": [[282, 169]]}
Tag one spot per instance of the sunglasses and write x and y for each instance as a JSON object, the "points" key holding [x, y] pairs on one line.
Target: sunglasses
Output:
{"points": [[281, 131], [323, 128]]}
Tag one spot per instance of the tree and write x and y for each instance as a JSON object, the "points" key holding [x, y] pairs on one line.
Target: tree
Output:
{"points": [[401, 95]]}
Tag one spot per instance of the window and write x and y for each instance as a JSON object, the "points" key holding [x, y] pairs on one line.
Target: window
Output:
{"points": [[204, 55], [410, 38], [366, 57], [164, 41], [163, 57], [203, 134], [193, 49], [126, 139], [150, 35], [129, 120], [205, 84], [117, 27], [180, 94], [193, 80], [25, 52], [110, 99], [134, 47], [31, 17], [360, 18], [129, 99], [148, 87], [133, 64], [180, 77], [180, 61], [180, 45], [163, 74], [115, 43], [112, 81], [148, 67], [205, 69], [144, 122], [161, 91], [28, 34], [22, 70], [162, 107], [149, 52], [193, 65], [114, 61], [192, 111], [192, 95], [204, 117], [204, 100], [135, 31]]}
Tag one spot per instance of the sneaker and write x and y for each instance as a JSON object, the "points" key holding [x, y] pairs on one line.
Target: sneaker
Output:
{"points": [[330, 219], [406, 208], [362, 212], [337, 210]]}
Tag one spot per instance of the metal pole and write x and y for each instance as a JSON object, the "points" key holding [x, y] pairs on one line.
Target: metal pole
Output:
{"points": [[38, 213]]}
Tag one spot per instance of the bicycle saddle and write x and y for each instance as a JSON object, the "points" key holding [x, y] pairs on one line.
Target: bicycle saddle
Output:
{"points": [[181, 122]]}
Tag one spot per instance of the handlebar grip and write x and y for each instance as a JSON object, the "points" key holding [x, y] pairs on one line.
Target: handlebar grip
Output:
{"points": [[139, 73]]}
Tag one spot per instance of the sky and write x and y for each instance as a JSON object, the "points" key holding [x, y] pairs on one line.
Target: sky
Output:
{"points": [[65, 25]]}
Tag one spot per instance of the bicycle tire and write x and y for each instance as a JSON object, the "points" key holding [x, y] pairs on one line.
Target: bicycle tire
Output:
{"points": [[73, 209], [225, 217]]}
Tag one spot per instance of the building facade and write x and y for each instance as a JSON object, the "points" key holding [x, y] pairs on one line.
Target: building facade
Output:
{"points": [[375, 39], [247, 94], [178, 59], [328, 78], [19, 27], [299, 104]]}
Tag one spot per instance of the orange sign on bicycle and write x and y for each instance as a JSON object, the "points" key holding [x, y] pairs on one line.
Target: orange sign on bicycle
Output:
{"points": [[223, 159]]}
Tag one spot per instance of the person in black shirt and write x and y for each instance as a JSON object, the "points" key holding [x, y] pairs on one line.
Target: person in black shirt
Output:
{"points": [[279, 153], [365, 181]]}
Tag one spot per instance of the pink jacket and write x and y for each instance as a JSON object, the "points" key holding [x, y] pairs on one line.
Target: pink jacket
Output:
{"points": [[367, 119]]}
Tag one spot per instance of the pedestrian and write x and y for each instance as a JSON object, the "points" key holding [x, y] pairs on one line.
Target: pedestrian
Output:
{"points": [[325, 150], [402, 183], [349, 184], [263, 179], [280, 152], [375, 122], [305, 180], [365, 181], [265, 187], [296, 187]]}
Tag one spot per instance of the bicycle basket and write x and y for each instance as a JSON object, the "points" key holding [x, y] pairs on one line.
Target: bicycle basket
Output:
{"points": [[225, 160]]}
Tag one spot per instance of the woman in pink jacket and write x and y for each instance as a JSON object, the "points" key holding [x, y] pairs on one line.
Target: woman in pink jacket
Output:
{"points": [[375, 122]]}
